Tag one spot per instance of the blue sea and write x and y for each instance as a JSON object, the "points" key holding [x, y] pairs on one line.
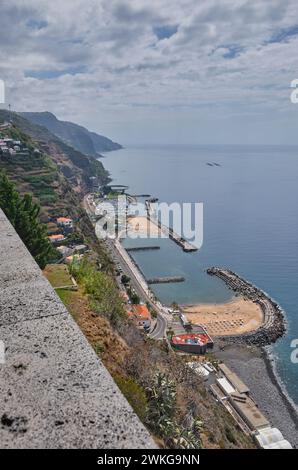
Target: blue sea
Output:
{"points": [[250, 224]]}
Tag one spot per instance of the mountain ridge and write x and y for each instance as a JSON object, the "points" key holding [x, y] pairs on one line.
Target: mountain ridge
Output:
{"points": [[79, 137], [77, 167]]}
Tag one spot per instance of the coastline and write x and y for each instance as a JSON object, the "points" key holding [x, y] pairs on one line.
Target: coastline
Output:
{"points": [[272, 371], [260, 374], [237, 316], [254, 364], [275, 324], [255, 367]]}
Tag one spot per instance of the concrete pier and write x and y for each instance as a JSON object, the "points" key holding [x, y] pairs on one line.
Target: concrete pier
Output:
{"points": [[169, 232]]}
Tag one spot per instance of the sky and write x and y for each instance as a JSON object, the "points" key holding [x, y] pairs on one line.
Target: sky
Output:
{"points": [[158, 71]]}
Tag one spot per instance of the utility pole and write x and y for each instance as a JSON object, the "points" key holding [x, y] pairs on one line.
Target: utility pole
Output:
{"points": [[9, 109]]}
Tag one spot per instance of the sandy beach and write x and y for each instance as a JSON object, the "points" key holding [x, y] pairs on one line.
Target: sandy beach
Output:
{"points": [[234, 317], [143, 227]]}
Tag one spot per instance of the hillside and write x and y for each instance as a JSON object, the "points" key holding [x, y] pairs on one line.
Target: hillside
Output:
{"points": [[75, 166], [56, 175], [77, 136]]}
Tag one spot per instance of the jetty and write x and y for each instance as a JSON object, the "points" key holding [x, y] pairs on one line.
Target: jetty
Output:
{"points": [[165, 280], [274, 325], [142, 248], [168, 231]]}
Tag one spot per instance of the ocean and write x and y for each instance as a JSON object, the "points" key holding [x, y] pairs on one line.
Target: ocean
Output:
{"points": [[250, 224]]}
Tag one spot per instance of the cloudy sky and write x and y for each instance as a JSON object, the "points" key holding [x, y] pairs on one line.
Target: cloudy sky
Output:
{"points": [[156, 71]]}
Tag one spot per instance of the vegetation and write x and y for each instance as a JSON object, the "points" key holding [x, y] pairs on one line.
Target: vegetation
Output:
{"points": [[166, 394], [23, 214], [101, 289], [161, 416], [135, 299], [135, 395], [58, 275], [125, 279]]}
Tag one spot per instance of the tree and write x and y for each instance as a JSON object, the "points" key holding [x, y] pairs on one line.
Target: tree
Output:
{"points": [[125, 279], [23, 214]]}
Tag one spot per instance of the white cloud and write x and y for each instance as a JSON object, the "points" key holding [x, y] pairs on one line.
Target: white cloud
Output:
{"points": [[220, 65]]}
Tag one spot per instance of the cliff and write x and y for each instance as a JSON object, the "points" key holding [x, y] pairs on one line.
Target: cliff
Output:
{"points": [[77, 136], [76, 167]]}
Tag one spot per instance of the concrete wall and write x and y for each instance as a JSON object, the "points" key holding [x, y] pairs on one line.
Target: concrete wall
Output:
{"points": [[54, 391]]}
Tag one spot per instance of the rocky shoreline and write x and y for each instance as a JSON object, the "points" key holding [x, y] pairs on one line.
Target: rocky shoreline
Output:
{"points": [[274, 325], [255, 367]]}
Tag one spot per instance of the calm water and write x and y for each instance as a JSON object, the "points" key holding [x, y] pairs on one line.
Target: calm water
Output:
{"points": [[250, 223]]}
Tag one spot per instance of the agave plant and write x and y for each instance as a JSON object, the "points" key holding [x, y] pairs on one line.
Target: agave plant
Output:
{"points": [[162, 400]]}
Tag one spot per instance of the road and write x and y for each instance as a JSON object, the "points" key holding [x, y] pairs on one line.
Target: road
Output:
{"points": [[139, 285], [121, 258]]}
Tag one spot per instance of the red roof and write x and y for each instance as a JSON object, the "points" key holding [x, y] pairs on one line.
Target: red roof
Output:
{"points": [[64, 219], [142, 312], [56, 237], [191, 338]]}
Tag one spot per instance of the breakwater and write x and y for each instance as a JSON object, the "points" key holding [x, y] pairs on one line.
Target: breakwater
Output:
{"points": [[142, 248], [274, 321], [165, 280]]}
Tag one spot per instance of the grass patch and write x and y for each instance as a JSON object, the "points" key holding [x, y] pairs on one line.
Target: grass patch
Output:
{"points": [[134, 394], [58, 275], [101, 289]]}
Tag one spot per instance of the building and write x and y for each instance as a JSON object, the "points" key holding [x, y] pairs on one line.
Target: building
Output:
{"points": [[80, 249], [56, 238], [73, 259], [233, 379], [194, 343], [140, 315], [225, 386], [64, 250], [65, 222], [248, 410], [3, 148], [234, 394], [5, 125], [271, 438], [199, 369]]}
